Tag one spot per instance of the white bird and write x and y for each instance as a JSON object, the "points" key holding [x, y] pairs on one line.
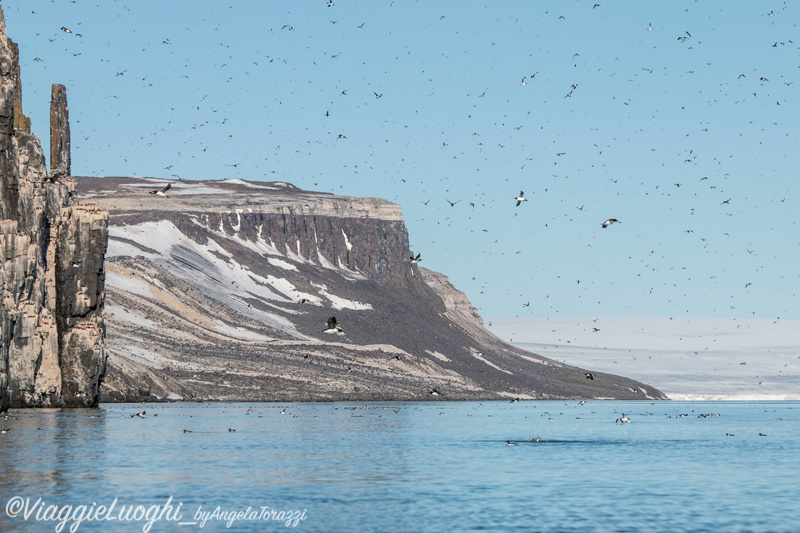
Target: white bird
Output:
{"points": [[520, 198]]}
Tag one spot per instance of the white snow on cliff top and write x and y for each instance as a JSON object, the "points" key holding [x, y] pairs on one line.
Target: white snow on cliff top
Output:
{"points": [[686, 358]]}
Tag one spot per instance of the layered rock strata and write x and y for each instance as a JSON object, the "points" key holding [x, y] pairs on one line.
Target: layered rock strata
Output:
{"points": [[222, 289], [52, 273]]}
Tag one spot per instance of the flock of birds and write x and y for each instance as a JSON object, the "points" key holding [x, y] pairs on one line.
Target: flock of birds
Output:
{"points": [[548, 414], [592, 72]]}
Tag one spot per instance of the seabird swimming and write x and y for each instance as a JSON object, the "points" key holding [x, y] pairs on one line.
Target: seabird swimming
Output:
{"points": [[520, 198], [333, 327], [624, 419], [609, 222], [162, 192], [509, 443]]}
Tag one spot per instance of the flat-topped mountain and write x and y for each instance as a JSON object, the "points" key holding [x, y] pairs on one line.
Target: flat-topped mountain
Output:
{"points": [[222, 290]]}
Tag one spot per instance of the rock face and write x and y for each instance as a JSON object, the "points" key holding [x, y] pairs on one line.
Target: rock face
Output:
{"points": [[222, 290], [59, 130], [53, 279]]}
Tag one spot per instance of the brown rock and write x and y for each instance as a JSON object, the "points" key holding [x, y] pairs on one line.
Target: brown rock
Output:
{"points": [[52, 332], [59, 130]]}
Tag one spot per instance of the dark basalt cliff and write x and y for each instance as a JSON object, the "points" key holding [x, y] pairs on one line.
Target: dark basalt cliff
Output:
{"points": [[222, 290], [51, 321]]}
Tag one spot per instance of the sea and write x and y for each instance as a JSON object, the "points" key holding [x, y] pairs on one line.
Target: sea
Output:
{"points": [[557, 466]]}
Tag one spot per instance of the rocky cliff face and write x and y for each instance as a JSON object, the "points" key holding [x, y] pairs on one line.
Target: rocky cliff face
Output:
{"points": [[222, 290], [51, 322]]}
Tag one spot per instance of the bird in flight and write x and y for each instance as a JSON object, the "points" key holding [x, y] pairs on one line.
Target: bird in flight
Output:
{"points": [[452, 203], [520, 198], [333, 327], [66, 30], [609, 222], [414, 260], [162, 192]]}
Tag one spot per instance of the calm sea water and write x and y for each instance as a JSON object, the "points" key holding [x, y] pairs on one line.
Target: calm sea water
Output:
{"points": [[404, 467]]}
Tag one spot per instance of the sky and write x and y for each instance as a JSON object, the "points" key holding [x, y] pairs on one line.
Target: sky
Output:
{"points": [[677, 118]]}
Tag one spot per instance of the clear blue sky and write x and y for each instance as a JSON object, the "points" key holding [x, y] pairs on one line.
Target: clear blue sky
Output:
{"points": [[681, 140]]}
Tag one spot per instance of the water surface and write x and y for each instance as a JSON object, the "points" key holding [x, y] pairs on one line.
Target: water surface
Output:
{"points": [[409, 466]]}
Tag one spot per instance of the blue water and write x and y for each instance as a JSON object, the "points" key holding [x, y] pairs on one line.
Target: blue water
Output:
{"points": [[409, 467]]}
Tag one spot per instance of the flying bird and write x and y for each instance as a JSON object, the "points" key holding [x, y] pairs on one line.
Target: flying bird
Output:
{"points": [[414, 260], [609, 222], [520, 198], [333, 327], [452, 203], [66, 30], [162, 192], [589, 375]]}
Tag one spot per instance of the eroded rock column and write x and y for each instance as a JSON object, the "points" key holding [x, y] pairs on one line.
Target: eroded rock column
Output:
{"points": [[59, 131]]}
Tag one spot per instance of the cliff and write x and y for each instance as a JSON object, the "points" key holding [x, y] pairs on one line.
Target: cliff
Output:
{"points": [[222, 289], [52, 273]]}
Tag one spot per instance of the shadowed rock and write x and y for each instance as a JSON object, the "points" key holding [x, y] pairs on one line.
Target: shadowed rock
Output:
{"points": [[52, 272], [59, 130], [223, 291]]}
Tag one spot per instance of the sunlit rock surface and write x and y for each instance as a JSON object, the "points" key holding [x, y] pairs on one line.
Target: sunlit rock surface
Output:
{"points": [[51, 319]]}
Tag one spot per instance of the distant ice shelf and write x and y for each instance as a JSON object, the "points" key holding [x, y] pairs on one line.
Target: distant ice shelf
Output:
{"points": [[686, 358]]}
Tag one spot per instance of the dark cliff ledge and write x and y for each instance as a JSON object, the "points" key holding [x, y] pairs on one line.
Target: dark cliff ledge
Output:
{"points": [[222, 289], [53, 279]]}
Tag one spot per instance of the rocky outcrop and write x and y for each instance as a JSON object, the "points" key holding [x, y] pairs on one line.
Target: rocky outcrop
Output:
{"points": [[59, 131], [52, 273], [457, 305]]}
